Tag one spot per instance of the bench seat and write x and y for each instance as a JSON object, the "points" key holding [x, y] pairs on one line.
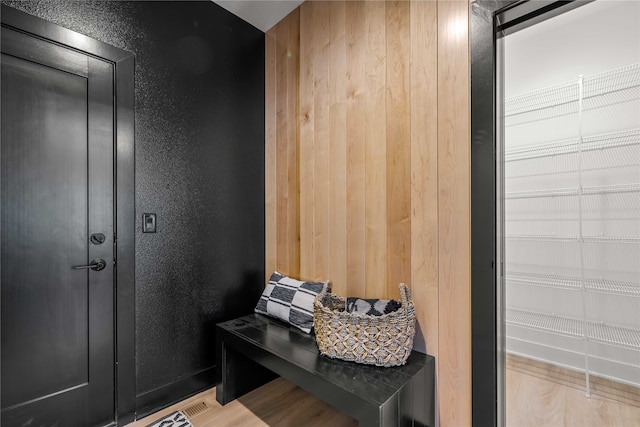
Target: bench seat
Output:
{"points": [[254, 349]]}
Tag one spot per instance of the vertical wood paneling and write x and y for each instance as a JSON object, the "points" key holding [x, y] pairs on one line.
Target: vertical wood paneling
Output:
{"points": [[398, 145], [321, 176], [356, 160], [424, 176], [270, 154], [367, 152], [337, 148], [375, 150], [286, 137], [424, 170], [292, 84], [454, 336], [282, 168], [307, 138]]}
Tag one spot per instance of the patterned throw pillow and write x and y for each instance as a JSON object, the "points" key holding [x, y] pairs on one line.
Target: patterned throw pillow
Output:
{"points": [[372, 307], [290, 300]]}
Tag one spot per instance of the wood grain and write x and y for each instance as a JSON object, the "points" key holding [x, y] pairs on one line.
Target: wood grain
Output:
{"points": [[454, 289], [271, 218], [282, 169], [383, 166], [398, 120], [270, 405], [424, 172], [603, 388], [367, 183], [375, 150], [307, 138], [356, 157], [337, 168], [538, 399], [531, 402], [287, 200], [293, 135], [321, 175], [424, 176]]}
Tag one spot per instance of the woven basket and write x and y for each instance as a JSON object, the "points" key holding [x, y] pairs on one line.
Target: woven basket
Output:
{"points": [[384, 340]]}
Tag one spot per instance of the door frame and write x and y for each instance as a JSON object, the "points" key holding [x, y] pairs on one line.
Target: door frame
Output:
{"points": [[490, 20], [124, 192]]}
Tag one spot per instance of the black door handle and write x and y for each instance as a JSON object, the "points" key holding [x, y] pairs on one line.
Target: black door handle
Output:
{"points": [[96, 265]]}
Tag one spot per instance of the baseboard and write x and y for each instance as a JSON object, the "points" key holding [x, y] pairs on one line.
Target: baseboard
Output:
{"points": [[167, 395]]}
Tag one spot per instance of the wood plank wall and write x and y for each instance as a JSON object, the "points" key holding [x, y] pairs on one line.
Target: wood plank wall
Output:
{"points": [[368, 164]]}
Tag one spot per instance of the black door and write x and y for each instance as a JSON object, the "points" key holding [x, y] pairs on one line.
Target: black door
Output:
{"points": [[56, 178]]}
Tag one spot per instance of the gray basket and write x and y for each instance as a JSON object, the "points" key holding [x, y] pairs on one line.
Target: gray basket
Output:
{"points": [[384, 340]]}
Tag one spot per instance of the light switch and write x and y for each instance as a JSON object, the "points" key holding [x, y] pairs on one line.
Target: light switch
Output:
{"points": [[149, 223]]}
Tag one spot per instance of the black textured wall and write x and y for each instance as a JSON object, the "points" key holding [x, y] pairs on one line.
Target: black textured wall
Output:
{"points": [[199, 166]]}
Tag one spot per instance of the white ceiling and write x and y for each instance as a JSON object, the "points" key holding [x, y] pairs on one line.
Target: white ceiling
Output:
{"points": [[590, 39], [262, 14]]}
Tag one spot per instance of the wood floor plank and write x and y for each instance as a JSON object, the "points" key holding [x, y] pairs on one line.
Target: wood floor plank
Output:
{"points": [[270, 405], [602, 387], [531, 401]]}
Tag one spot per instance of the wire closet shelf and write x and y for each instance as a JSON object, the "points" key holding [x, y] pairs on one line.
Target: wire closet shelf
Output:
{"points": [[618, 87]]}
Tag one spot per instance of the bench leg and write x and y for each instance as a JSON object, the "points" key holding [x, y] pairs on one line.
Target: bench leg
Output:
{"points": [[238, 375], [371, 419], [412, 406]]}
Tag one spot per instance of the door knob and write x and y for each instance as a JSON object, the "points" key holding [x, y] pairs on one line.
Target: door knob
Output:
{"points": [[96, 265]]}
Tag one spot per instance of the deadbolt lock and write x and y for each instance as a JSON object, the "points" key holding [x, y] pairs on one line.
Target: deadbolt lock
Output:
{"points": [[97, 238]]}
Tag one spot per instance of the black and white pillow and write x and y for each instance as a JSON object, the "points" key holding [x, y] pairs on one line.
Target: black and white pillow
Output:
{"points": [[372, 307], [290, 300]]}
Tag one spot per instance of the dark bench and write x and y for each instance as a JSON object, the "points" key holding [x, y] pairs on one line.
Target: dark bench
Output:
{"points": [[255, 349]]}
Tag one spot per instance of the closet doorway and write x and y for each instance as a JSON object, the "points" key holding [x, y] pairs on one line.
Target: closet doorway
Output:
{"points": [[568, 217]]}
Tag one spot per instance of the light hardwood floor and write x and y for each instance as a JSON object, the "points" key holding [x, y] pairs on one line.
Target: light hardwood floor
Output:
{"points": [[276, 404], [538, 394]]}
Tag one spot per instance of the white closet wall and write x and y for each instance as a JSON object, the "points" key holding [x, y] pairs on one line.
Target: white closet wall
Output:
{"points": [[572, 191]]}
